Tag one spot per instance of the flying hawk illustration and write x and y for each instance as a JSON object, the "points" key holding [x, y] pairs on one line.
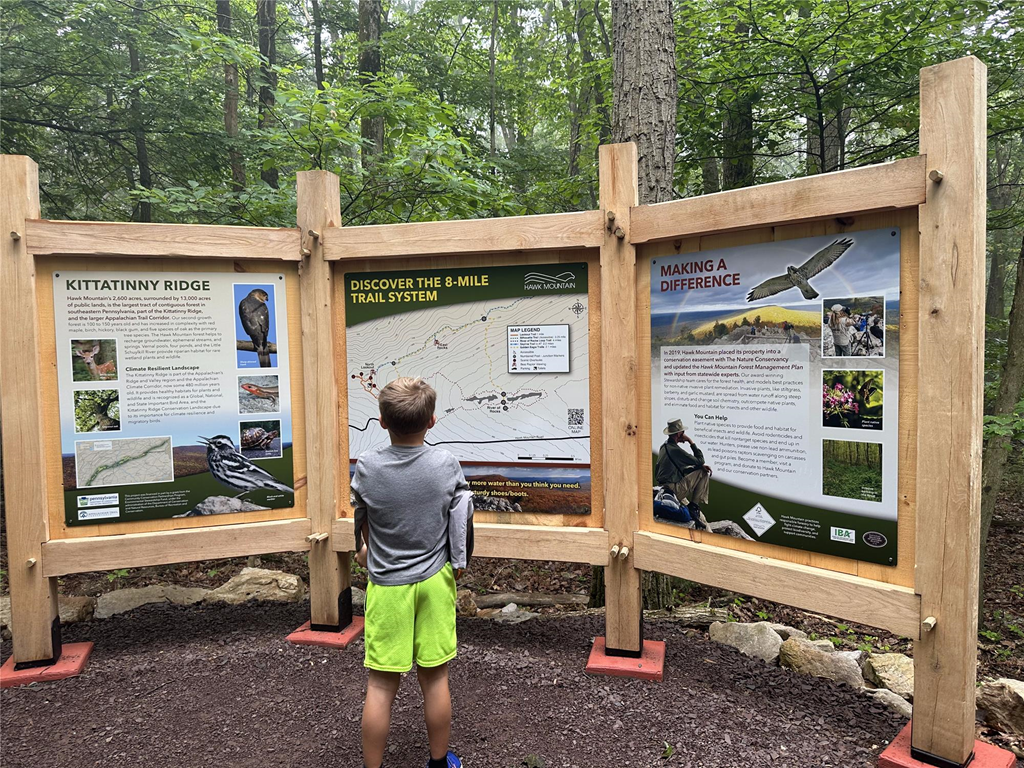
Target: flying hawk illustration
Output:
{"points": [[797, 277]]}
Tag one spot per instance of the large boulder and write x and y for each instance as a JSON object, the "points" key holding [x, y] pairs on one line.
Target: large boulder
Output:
{"points": [[1003, 703], [123, 600], [758, 640], [259, 584], [893, 671], [804, 657], [897, 704]]}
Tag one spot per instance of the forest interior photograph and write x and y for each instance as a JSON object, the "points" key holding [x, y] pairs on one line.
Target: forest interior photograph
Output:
{"points": [[649, 373]]}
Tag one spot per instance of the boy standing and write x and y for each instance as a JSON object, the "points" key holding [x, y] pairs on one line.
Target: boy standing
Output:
{"points": [[412, 511]]}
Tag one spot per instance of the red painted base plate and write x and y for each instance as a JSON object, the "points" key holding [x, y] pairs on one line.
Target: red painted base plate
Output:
{"points": [[650, 665], [306, 636], [897, 755], [71, 663]]}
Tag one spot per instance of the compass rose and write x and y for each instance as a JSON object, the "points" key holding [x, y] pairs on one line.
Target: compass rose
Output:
{"points": [[578, 308]]}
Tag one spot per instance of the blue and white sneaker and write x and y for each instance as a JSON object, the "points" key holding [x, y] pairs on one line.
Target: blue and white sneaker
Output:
{"points": [[452, 760]]}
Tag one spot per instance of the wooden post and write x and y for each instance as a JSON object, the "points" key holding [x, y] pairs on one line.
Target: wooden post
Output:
{"points": [[330, 594], [950, 402], [34, 619], [619, 193]]}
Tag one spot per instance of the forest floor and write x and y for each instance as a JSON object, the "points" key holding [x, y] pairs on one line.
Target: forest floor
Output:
{"points": [[504, 665], [175, 687]]}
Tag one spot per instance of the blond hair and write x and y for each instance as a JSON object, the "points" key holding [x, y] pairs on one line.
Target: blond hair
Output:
{"points": [[406, 405]]}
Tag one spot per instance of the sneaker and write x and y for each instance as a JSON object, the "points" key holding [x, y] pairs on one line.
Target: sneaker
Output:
{"points": [[452, 760]]}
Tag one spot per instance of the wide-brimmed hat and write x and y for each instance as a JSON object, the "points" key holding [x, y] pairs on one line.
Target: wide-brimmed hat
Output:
{"points": [[674, 427]]}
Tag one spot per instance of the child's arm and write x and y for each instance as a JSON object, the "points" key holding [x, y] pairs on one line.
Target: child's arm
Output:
{"points": [[362, 524], [460, 524]]}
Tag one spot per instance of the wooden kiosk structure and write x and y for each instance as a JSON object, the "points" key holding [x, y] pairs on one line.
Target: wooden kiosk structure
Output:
{"points": [[936, 198]]}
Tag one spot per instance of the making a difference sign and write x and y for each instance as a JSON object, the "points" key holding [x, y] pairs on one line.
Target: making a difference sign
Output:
{"points": [[775, 383]]}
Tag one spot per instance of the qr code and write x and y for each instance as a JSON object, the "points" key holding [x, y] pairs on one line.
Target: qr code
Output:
{"points": [[575, 417]]}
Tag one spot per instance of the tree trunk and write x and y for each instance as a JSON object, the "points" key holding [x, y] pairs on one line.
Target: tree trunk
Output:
{"points": [[1011, 389], [231, 101], [644, 90], [371, 128], [573, 90], [492, 117], [644, 102], [138, 124], [266, 17], [738, 135], [318, 53]]}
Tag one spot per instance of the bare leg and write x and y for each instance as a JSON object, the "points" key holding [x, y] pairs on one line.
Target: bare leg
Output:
{"points": [[380, 695], [437, 708]]}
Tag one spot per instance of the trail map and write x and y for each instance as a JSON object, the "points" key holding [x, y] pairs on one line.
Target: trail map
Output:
{"points": [[463, 332], [124, 462]]}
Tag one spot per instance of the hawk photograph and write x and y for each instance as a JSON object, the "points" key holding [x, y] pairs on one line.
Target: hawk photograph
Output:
{"points": [[255, 326], [797, 277]]}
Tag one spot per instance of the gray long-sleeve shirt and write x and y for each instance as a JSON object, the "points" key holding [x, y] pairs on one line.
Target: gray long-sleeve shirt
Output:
{"points": [[406, 494]]}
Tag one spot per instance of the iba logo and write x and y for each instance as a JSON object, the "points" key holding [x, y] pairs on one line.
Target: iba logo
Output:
{"points": [[847, 535], [538, 281]]}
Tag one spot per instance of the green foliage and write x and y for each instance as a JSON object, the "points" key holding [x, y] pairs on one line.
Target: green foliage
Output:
{"points": [[97, 410], [117, 575]]}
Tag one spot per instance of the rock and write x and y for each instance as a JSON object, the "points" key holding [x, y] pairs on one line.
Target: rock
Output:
{"points": [[804, 657], [5, 618], [494, 504], [728, 528], [358, 598], [786, 632], [510, 609], [758, 640], [465, 605], [73, 609], [259, 584], [220, 505], [893, 671], [1003, 703], [515, 617], [897, 704], [123, 600]]}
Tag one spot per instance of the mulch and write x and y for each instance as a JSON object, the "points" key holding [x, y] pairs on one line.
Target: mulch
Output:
{"points": [[218, 685]]}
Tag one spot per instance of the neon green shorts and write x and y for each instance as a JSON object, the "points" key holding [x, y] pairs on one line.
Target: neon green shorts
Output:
{"points": [[411, 622]]}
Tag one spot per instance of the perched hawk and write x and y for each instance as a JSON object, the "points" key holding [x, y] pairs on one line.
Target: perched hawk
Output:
{"points": [[252, 311], [797, 277]]}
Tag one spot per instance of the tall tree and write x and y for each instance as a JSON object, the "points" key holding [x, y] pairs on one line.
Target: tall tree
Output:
{"points": [[645, 91], [266, 19], [492, 62], [318, 53], [231, 101], [996, 450], [738, 130], [372, 126]]}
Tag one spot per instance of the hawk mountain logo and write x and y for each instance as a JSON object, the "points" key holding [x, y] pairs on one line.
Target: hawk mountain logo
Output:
{"points": [[538, 281]]}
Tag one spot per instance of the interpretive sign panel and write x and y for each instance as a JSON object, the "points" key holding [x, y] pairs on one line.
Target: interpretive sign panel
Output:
{"points": [[506, 348], [775, 382], [174, 394]]}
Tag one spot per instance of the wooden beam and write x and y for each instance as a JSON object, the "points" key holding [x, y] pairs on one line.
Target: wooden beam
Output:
{"points": [[899, 184], [950, 406], [852, 598], [619, 192], [445, 238], [99, 238], [33, 596], [135, 550], [319, 207], [567, 544]]}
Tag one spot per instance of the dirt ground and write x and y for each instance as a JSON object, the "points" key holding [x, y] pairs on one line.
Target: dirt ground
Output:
{"points": [[219, 685]]}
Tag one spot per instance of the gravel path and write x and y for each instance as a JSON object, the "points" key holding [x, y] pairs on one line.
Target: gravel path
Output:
{"points": [[219, 686]]}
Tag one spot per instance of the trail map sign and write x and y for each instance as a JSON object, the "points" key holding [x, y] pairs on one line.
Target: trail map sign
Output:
{"points": [[151, 366], [506, 348], [781, 360]]}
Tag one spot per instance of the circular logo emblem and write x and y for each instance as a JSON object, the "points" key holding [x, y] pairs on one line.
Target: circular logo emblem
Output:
{"points": [[874, 539]]}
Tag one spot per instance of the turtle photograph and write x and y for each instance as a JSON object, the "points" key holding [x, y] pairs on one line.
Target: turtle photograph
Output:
{"points": [[260, 439]]}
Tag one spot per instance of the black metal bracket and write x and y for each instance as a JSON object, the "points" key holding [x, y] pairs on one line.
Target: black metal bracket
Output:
{"points": [[940, 762], [56, 644], [344, 614]]}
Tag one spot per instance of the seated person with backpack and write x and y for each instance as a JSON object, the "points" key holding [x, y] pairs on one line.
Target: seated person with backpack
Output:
{"points": [[686, 475]]}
